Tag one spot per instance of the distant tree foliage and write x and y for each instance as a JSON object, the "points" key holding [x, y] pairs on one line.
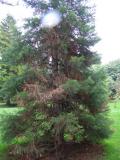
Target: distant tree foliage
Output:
{"points": [[10, 73], [113, 72]]}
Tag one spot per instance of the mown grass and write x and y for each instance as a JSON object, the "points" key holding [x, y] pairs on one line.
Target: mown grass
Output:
{"points": [[112, 145], [4, 112]]}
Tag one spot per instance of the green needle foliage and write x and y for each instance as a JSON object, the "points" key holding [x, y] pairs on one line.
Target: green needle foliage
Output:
{"points": [[64, 91], [8, 36]]}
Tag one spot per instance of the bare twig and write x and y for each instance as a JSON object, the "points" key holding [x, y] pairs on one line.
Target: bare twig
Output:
{"points": [[7, 3]]}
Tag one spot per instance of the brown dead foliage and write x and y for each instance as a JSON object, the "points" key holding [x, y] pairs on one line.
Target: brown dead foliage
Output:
{"points": [[40, 94], [34, 91]]}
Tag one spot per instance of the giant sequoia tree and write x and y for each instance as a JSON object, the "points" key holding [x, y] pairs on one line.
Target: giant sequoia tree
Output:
{"points": [[65, 93]]}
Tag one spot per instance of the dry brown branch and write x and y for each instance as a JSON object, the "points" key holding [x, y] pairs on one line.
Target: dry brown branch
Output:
{"points": [[60, 79], [7, 3], [42, 97]]}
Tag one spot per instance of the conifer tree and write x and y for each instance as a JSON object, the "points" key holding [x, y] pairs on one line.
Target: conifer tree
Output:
{"points": [[65, 93], [8, 31], [10, 39]]}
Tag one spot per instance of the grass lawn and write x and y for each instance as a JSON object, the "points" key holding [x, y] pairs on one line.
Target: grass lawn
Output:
{"points": [[112, 145], [4, 111]]}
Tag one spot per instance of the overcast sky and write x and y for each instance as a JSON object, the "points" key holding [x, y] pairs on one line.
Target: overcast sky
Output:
{"points": [[107, 25]]}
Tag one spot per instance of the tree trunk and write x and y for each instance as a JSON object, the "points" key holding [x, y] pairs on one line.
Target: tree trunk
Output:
{"points": [[8, 103], [59, 146]]}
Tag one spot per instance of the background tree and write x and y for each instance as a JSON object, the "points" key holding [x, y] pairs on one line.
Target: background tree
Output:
{"points": [[113, 72], [9, 72], [65, 93]]}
